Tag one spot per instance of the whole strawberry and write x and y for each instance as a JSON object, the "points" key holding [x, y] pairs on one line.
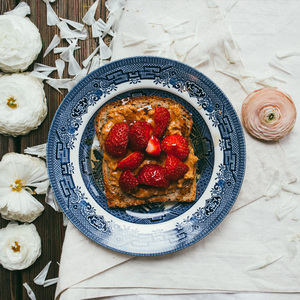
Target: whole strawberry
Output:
{"points": [[127, 181], [175, 168], [152, 175], [139, 135], [161, 120], [117, 140], [132, 161], [176, 145]]}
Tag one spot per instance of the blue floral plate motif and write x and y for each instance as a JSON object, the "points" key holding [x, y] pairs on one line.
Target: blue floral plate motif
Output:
{"points": [[74, 163]]}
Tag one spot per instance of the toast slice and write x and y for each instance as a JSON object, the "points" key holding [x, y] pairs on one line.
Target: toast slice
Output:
{"points": [[142, 108]]}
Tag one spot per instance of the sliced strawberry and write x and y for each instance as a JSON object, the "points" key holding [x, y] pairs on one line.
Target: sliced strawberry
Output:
{"points": [[132, 161], [139, 135], [161, 119], [152, 175], [127, 181], [117, 140], [176, 145], [175, 168], [153, 147]]}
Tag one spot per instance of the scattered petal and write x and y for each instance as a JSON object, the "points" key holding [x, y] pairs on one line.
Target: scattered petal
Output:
{"points": [[41, 277], [29, 291], [20, 246], [21, 10], [283, 211], [229, 6], [89, 17], [51, 281], [86, 62], [74, 24], [220, 62], [279, 66], [67, 33], [51, 200], [41, 68], [60, 66], [268, 260], [74, 67], [52, 18], [284, 54], [211, 4], [291, 188], [105, 51], [131, 40], [274, 186], [55, 42], [39, 150], [229, 52], [293, 247], [58, 84], [95, 63]]}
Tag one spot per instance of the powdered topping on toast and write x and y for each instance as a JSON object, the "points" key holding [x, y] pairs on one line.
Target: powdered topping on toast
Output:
{"points": [[156, 125]]}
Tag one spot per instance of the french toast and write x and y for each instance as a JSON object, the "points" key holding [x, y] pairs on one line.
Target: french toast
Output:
{"points": [[142, 109]]}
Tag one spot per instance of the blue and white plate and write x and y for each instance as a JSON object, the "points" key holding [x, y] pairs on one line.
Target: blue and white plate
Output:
{"points": [[74, 163]]}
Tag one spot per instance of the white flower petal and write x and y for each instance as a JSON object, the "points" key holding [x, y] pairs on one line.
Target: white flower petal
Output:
{"points": [[95, 63], [283, 211], [90, 57], [38, 150], [59, 83], [74, 67], [21, 10], [51, 281], [41, 67], [50, 200], [262, 263], [20, 246], [291, 188], [229, 52], [131, 40], [115, 5], [60, 66], [52, 18], [74, 24], [293, 247], [90, 14], [41, 277], [274, 186], [55, 42], [20, 43], [29, 291], [284, 54], [279, 66], [105, 51], [67, 33]]}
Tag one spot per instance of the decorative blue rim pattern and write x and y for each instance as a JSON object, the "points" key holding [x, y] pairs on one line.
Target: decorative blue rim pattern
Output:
{"points": [[74, 165]]}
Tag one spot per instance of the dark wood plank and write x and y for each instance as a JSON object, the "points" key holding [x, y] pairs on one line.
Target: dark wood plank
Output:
{"points": [[11, 281], [50, 223]]}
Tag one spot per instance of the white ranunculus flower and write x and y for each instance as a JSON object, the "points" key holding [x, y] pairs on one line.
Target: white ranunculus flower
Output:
{"points": [[20, 246], [20, 43], [20, 176], [23, 105]]}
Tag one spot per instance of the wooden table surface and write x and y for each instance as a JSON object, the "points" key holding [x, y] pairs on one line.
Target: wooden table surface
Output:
{"points": [[50, 223]]}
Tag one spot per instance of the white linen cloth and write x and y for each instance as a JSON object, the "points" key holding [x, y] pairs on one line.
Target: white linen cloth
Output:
{"points": [[251, 250]]}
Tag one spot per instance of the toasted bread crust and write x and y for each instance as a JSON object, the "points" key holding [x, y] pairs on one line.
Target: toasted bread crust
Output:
{"points": [[115, 196]]}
